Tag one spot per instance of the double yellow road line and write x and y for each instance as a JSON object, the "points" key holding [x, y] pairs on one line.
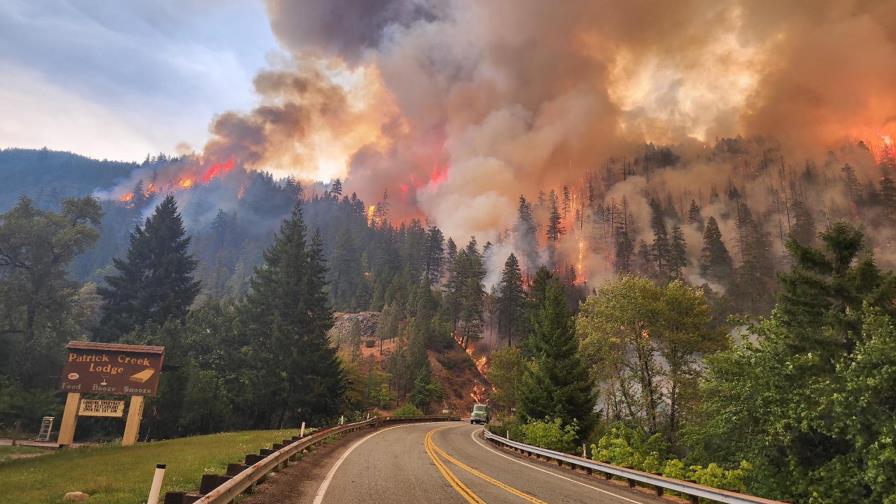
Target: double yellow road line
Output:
{"points": [[434, 452]]}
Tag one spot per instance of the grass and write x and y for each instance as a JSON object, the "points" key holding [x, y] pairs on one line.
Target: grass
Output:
{"points": [[118, 475], [8, 453]]}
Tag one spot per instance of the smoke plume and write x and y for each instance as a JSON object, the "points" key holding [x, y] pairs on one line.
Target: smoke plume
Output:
{"points": [[449, 110]]}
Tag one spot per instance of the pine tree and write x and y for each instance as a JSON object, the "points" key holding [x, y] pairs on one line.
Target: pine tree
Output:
{"points": [[511, 299], [434, 255], [287, 317], [803, 230], [154, 283], [346, 271], [336, 188], [694, 217], [557, 384], [678, 259], [715, 261], [661, 250], [888, 197], [525, 238], [555, 229], [755, 278], [853, 187], [472, 292]]}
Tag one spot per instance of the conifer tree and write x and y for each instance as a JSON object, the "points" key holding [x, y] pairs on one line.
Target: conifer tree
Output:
{"points": [[511, 300], [557, 384], [525, 238], [154, 282], [715, 261], [755, 278], [853, 187], [803, 230], [694, 217], [346, 271], [555, 228], [287, 316], [660, 250], [336, 188], [678, 259], [434, 256], [888, 197]]}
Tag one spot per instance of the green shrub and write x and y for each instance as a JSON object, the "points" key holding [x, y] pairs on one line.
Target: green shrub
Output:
{"points": [[550, 434], [627, 447], [716, 476], [674, 468], [407, 410]]}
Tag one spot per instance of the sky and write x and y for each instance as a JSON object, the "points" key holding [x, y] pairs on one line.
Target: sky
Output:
{"points": [[120, 83]]}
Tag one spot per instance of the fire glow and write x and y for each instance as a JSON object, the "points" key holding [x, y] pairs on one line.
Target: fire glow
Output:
{"points": [[186, 179]]}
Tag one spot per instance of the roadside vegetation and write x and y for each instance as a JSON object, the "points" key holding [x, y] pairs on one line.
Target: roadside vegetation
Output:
{"points": [[795, 405]]}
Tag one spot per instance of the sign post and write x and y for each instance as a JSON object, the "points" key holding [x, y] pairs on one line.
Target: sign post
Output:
{"points": [[69, 419], [132, 427], [109, 369]]}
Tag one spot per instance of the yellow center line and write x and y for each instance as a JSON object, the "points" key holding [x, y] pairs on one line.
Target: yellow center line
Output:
{"points": [[478, 474], [446, 473]]}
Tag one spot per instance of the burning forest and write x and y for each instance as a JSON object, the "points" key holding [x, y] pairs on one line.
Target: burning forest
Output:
{"points": [[668, 226]]}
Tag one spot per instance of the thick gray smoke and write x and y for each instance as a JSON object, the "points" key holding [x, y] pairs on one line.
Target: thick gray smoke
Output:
{"points": [[454, 108]]}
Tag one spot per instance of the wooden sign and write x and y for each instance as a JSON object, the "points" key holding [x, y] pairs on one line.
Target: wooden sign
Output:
{"points": [[101, 408], [111, 368]]}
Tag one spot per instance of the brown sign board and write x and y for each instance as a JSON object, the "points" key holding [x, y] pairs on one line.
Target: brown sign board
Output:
{"points": [[101, 408], [112, 368]]}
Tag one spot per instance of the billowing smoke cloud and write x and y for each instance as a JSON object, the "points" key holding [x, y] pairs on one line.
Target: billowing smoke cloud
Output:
{"points": [[456, 107]]}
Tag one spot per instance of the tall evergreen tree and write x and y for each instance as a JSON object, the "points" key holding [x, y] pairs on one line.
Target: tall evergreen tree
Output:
{"points": [[715, 261], [555, 228], [525, 232], [346, 271], [511, 300], [661, 249], [888, 197], [755, 278], [694, 217], [678, 259], [557, 384], [434, 255], [154, 283], [803, 229], [296, 372]]}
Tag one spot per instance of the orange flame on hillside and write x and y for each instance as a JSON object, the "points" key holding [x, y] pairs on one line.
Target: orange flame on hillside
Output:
{"points": [[187, 178], [217, 170]]}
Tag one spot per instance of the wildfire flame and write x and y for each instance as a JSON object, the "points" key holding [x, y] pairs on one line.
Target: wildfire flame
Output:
{"points": [[580, 263], [371, 214], [186, 179], [217, 170], [477, 393]]}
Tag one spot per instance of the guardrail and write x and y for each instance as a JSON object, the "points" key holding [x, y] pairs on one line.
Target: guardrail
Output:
{"points": [[659, 483], [221, 489]]}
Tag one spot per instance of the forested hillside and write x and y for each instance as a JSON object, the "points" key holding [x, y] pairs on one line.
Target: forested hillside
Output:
{"points": [[723, 315]]}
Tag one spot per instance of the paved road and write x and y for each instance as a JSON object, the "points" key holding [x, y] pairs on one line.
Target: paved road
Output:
{"points": [[439, 462]]}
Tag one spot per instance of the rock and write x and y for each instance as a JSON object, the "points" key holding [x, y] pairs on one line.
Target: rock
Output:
{"points": [[340, 334], [75, 497]]}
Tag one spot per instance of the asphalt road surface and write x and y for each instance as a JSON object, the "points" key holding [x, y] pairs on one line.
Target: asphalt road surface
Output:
{"points": [[450, 462]]}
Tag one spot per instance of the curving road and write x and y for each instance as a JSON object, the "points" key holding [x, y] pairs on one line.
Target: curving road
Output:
{"points": [[439, 462]]}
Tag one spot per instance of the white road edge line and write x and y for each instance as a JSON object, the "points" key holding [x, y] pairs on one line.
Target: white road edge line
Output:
{"points": [[508, 457], [322, 490]]}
